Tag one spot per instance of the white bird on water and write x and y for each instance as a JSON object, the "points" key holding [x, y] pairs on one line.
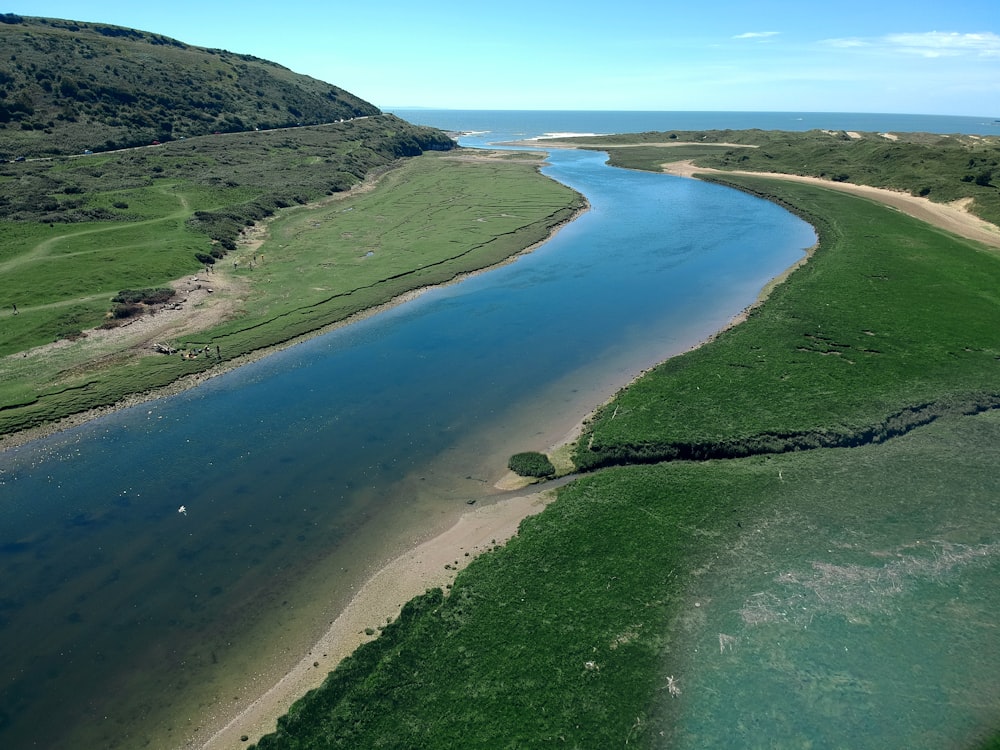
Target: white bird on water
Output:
{"points": [[183, 510]]}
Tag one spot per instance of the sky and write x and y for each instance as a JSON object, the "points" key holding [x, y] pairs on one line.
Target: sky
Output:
{"points": [[887, 56]]}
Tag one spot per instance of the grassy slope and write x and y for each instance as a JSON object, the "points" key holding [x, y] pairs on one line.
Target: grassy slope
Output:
{"points": [[75, 231], [565, 635], [317, 270], [70, 85]]}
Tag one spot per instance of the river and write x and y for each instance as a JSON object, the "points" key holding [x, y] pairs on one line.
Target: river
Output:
{"points": [[300, 472]]}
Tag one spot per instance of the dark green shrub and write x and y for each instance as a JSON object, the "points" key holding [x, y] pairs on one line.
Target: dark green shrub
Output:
{"points": [[143, 296], [531, 464], [126, 310]]}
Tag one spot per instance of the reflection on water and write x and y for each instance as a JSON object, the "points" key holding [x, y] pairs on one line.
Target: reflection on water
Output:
{"points": [[114, 605]]}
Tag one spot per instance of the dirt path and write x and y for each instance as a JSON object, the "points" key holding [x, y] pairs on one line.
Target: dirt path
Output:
{"points": [[43, 248], [953, 217]]}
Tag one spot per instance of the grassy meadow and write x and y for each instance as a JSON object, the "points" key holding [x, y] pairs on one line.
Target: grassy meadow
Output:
{"points": [[855, 409], [890, 324], [426, 223]]}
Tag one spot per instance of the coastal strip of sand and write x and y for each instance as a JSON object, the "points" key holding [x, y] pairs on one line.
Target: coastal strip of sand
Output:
{"points": [[429, 565]]}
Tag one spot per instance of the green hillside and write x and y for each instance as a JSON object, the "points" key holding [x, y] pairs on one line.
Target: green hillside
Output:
{"points": [[70, 86]]}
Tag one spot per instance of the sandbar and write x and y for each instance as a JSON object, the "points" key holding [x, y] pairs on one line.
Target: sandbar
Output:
{"points": [[431, 564]]}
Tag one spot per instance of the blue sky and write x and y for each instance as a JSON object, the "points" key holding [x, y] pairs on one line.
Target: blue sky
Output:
{"points": [[912, 56]]}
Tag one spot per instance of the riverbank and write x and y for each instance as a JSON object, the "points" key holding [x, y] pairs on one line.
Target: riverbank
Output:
{"points": [[432, 564], [951, 217], [206, 307], [654, 509], [323, 264]]}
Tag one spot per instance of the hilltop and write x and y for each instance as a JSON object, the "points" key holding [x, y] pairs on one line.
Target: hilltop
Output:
{"points": [[70, 86]]}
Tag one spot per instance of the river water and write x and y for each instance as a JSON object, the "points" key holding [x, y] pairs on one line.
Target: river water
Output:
{"points": [[299, 472]]}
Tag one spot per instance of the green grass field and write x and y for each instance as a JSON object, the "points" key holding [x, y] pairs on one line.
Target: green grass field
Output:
{"points": [[61, 277]]}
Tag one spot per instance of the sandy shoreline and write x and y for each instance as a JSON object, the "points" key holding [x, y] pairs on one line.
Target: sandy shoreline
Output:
{"points": [[433, 563], [429, 565], [952, 217]]}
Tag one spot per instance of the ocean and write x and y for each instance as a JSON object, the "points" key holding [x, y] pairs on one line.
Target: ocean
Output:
{"points": [[531, 123]]}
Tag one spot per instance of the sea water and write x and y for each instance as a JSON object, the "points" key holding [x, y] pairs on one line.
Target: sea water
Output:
{"points": [[533, 123]]}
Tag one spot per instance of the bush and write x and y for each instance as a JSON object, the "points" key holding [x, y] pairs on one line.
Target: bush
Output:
{"points": [[531, 464], [143, 296], [126, 310]]}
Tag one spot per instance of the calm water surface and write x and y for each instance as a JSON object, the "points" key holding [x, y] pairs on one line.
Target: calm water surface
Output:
{"points": [[114, 605]]}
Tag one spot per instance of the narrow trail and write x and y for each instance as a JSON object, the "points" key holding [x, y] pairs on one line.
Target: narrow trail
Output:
{"points": [[44, 248]]}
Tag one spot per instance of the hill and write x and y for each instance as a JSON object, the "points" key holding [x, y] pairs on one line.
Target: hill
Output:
{"points": [[71, 86]]}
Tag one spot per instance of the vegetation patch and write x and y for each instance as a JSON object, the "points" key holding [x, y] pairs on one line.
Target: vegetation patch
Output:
{"points": [[144, 296], [531, 464], [889, 325]]}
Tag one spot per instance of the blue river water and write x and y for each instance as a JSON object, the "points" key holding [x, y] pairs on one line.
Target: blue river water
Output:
{"points": [[113, 603]]}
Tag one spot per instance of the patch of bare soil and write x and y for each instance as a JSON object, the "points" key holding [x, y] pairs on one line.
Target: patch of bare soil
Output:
{"points": [[200, 302]]}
